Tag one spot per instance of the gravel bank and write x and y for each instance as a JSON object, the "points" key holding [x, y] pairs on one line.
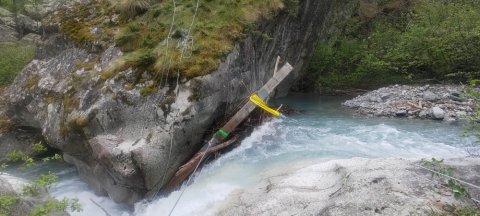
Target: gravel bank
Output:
{"points": [[438, 102]]}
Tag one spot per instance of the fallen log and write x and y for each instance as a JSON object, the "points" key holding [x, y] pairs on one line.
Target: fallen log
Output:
{"points": [[185, 170], [215, 143]]}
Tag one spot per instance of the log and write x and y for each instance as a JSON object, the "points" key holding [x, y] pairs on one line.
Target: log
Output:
{"points": [[245, 111], [187, 169], [215, 143]]}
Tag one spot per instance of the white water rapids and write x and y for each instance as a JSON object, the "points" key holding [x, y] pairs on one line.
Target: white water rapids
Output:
{"points": [[323, 132]]}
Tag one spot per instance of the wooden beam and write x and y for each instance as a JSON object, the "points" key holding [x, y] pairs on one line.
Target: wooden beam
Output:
{"points": [[217, 142], [245, 111]]}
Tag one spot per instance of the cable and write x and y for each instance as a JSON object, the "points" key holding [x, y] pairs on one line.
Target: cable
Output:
{"points": [[169, 36], [190, 178], [177, 86], [450, 177], [441, 185]]}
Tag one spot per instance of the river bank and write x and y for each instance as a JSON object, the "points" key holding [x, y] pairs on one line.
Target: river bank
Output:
{"points": [[356, 186], [437, 102]]}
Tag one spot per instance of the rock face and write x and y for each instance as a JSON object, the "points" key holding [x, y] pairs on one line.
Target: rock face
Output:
{"points": [[28, 21], [352, 187], [438, 102], [126, 145]]}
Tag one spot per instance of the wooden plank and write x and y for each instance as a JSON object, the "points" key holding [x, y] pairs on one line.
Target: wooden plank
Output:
{"points": [[245, 111]]}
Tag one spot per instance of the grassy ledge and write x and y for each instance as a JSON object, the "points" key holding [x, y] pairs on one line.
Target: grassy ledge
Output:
{"points": [[142, 32]]}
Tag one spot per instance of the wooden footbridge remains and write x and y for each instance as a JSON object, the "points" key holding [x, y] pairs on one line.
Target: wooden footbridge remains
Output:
{"points": [[220, 139]]}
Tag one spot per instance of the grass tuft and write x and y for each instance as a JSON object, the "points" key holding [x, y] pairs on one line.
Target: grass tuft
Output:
{"points": [[132, 8], [13, 57]]}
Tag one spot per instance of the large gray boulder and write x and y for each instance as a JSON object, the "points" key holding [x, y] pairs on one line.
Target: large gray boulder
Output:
{"points": [[7, 34], [126, 145]]}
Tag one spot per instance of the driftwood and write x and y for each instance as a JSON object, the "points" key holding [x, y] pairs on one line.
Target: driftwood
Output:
{"points": [[188, 168]]}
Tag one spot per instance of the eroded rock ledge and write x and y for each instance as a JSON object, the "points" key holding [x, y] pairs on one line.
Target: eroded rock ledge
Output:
{"points": [[438, 102], [352, 187]]}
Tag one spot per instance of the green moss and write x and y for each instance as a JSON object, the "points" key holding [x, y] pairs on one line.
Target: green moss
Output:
{"points": [[141, 59], [143, 35], [218, 25], [70, 102], [78, 22], [32, 82], [148, 90], [4, 123], [292, 7], [132, 8], [13, 57], [79, 122]]}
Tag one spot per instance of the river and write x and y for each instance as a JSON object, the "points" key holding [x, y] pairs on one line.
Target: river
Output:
{"points": [[324, 131]]}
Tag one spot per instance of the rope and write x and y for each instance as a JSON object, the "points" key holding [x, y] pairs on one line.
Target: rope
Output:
{"points": [[260, 103], [189, 37], [185, 45], [189, 179], [171, 141], [450, 177], [169, 36], [441, 185], [171, 127]]}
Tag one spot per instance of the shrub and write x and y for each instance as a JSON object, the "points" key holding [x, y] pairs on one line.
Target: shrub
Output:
{"points": [[53, 205], [44, 181], [7, 203], [432, 41]]}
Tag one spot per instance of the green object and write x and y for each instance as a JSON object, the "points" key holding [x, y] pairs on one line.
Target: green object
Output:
{"points": [[222, 133]]}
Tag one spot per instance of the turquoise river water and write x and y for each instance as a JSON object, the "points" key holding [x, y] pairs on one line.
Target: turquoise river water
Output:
{"points": [[324, 131]]}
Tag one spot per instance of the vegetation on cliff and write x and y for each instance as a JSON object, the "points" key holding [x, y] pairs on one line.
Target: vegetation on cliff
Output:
{"points": [[167, 37], [13, 57], [402, 41]]}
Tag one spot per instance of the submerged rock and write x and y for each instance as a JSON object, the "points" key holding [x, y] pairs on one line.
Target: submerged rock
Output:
{"points": [[352, 187]]}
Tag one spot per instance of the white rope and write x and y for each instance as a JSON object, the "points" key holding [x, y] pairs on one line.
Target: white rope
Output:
{"points": [[441, 185], [171, 139], [189, 38], [185, 45], [447, 176], [169, 36], [189, 179], [171, 127]]}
